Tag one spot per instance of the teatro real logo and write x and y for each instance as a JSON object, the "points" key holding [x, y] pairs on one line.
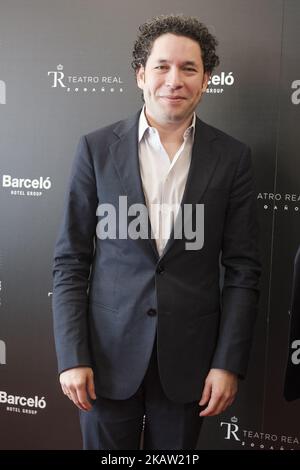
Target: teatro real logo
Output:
{"points": [[84, 83], [2, 92], [33, 187], [295, 96], [280, 202], [231, 429], [254, 439], [2, 352]]}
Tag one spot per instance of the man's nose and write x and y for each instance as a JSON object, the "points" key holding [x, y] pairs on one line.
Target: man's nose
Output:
{"points": [[173, 78]]}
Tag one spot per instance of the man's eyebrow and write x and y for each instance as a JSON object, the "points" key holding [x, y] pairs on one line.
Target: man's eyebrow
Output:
{"points": [[187, 62]]}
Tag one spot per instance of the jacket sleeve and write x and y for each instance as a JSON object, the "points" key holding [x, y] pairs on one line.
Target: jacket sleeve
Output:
{"points": [[240, 258], [73, 256]]}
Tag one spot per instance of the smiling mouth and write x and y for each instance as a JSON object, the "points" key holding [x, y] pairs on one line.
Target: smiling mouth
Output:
{"points": [[173, 98]]}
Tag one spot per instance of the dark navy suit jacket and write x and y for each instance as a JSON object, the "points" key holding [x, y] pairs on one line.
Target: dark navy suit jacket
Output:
{"points": [[111, 297]]}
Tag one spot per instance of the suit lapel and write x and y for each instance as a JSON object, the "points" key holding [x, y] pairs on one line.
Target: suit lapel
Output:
{"points": [[125, 157], [126, 161], [203, 163]]}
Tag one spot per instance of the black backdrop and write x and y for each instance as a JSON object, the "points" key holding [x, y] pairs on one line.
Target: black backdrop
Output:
{"points": [[65, 70]]}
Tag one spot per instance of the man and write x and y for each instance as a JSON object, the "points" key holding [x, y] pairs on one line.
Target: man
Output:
{"points": [[141, 326], [292, 375]]}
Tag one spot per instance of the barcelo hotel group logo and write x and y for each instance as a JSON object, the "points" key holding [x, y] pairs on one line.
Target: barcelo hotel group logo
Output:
{"points": [[22, 404], [87, 83], [279, 202]]}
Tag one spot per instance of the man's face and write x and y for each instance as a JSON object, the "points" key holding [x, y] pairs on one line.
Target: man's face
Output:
{"points": [[173, 79]]}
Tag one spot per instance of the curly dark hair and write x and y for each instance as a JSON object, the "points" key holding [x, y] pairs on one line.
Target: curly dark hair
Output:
{"points": [[180, 25]]}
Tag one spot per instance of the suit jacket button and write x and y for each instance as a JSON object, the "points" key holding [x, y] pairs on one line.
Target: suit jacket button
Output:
{"points": [[151, 312], [160, 270]]}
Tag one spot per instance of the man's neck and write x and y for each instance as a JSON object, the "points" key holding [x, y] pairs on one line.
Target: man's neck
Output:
{"points": [[172, 132]]}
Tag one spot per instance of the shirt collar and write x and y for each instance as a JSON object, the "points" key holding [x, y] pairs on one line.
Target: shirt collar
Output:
{"points": [[144, 126]]}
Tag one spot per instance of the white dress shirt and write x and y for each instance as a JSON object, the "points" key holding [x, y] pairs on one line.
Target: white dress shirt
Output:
{"points": [[163, 180]]}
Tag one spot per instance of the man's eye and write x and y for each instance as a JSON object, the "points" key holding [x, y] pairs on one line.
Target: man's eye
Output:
{"points": [[161, 67], [190, 69]]}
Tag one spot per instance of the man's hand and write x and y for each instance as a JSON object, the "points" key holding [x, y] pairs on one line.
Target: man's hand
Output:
{"points": [[78, 385], [219, 391]]}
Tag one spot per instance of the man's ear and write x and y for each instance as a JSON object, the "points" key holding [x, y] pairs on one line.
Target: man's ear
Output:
{"points": [[140, 77], [206, 78]]}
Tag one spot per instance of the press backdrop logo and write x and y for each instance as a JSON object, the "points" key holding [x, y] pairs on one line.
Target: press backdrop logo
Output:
{"points": [[2, 352], [256, 439], [22, 404], [35, 187], [295, 96], [2, 92], [84, 83], [283, 202], [217, 83]]}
